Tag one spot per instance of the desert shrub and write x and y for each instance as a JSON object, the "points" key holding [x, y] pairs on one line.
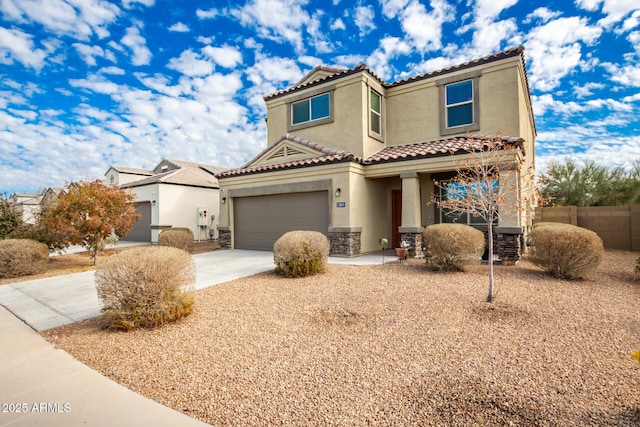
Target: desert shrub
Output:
{"points": [[547, 224], [449, 247], [181, 238], [21, 257], [145, 287], [301, 253], [566, 251], [638, 266]]}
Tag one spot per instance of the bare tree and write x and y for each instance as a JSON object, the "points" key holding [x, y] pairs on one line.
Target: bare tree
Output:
{"points": [[488, 185]]}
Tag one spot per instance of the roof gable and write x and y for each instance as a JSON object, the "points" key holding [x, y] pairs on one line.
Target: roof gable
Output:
{"points": [[291, 152], [288, 149]]}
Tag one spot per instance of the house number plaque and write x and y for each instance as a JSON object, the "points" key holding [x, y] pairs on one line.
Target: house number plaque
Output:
{"points": [[341, 204]]}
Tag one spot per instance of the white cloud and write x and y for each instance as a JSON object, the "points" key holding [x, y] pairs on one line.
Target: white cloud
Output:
{"points": [[116, 71], [89, 53], [390, 47], [554, 50], [191, 63], [134, 41], [279, 20], [207, 14], [632, 22], [76, 18], [424, 28], [587, 89], [544, 14], [338, 24], [364, 19], [627, 75], [15, 44], [130, 3], [179, 27], [616, 10], [632, 98], [225, 56]]}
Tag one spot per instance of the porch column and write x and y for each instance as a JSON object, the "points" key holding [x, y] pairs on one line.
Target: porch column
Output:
{"points": [[411, 228]]}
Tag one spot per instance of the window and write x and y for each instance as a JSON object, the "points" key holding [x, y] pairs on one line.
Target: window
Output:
{"points": [[455, 190], [375, 112], [310, 109], [459, 102]]}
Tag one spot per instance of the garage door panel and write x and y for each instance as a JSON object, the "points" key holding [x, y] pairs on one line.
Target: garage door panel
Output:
{"points": [[141, 231], [260, 220]]}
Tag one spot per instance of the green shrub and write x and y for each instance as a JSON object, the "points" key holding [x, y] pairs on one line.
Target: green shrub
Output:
{"points": [[145, 287], [181, 238], [566, 251], [449, 247], [22, 257], [301, 253]]}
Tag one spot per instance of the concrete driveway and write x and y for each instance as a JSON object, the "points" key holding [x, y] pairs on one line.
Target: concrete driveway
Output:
{"points": [[47, 303]]}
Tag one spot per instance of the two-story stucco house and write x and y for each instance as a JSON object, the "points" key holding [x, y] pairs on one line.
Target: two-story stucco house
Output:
{"points": [[356, 158]]}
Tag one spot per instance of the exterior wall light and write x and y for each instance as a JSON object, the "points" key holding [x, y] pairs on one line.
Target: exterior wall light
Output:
{"points": [[338, 192], [224, 200]]}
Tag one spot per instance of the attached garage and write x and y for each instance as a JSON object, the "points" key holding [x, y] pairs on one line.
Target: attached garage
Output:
{"points": [[141, 231], [260, 220]]}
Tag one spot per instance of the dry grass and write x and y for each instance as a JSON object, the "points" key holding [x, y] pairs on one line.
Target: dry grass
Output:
{"points": [[76, 263], [390, 345]]}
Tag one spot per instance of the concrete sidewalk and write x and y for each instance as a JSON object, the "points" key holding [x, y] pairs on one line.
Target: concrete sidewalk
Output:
{"points": [[43, 385]]}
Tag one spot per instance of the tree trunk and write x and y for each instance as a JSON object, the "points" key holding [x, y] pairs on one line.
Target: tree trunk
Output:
{"points": [[95, 253], [490, 229]]}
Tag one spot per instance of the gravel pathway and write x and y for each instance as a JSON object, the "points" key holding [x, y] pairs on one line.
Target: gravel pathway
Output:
{"points": [[390, 345]]}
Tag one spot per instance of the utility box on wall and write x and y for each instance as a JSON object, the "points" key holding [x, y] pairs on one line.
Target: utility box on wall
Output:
{"points": [[203, 217]]}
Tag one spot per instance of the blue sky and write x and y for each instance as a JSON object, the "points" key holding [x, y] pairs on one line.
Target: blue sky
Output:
{"points": [[86, 84]]}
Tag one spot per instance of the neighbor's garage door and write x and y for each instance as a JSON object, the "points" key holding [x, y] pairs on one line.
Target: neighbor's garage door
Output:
{"points": [[260, 220], [141, 231]]}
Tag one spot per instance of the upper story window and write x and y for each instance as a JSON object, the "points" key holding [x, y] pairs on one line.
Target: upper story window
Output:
{"points": [[310, 109], [459, 101], [375, 112]]}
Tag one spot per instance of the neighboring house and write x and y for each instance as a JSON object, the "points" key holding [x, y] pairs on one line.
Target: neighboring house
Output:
{"points": [[27, 205], [30, 205], [356, 158], [174, 194]]}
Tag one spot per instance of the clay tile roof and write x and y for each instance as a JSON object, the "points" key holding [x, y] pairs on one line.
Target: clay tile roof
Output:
{"points": [[442, 147], [338, 73], [515, 51], [326, 155]]}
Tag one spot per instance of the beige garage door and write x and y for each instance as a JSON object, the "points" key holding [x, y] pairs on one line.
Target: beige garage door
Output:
{"points": [[260, 220]]}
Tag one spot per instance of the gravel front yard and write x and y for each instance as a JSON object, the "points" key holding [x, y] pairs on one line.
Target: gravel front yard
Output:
{"points": [[390, 345]]}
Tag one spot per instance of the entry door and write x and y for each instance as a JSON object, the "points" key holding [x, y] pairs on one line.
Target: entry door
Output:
{"points": [[396, 217]]}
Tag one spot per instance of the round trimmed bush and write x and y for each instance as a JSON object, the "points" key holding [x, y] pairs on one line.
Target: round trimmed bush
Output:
{"points": [[449, 247], [566, 251], [181, 238], [301, 253], [145, 287], [22, 257]]}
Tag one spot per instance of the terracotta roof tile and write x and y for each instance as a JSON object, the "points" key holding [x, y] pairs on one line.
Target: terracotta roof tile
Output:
{"points": [[329, 155], [442, 147]]}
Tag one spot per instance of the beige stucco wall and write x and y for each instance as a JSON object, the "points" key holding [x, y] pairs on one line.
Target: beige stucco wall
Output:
{"points": [[413, 110], [349, 129], [176, 206]]}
